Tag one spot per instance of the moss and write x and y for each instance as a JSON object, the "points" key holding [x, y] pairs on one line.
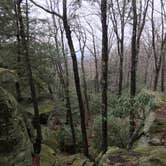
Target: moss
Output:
{"points": [[142, 156], [79, 162], [112, 150], [50, 138], [7, 75], [146, 149], [46, 106], [73, 160], [160, 154], [89, 163], [47, 156], [153, 155]]}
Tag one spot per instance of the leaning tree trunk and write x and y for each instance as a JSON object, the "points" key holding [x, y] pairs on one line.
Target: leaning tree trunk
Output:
{"points": [[37, 144], [76, 79], [67, 93]]}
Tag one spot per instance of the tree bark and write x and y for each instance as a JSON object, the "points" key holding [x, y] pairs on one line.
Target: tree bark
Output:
{"points": [[64, 78], [119, 36], [37, 144], [17, 84], [81, 36], [85, 89], [163, 73], [163, 48], [120, 76], [157, 56], [133, 70], [94, 53], [76, 78], [156, 79], [104, 74], [67, 93]]}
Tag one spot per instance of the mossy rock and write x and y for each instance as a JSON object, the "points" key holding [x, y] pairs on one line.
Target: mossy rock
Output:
{"points": [[46, 106], [73, 160], [62, 159], [79, 162], [142, 156], [160, 98], [15, 142], [82, 162], [47, 156], [153, 155], [103, 159], [154, 129], [50, 138]]}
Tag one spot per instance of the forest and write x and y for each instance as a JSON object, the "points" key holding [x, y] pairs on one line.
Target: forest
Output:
{"points": [[82, 83]]}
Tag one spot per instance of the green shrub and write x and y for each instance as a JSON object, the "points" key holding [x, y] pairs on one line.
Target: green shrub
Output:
{"points": [[117, 132], [118, 118], [65, 138]]}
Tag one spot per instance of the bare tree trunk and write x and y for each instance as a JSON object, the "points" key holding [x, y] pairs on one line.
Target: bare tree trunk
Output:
{"points": [[67, 94], [17, 84], [85, 89], [94, 53], [163, 48], [76, 78], [119, 36], [163, 73], [97, 87], [104, 73], [157, 56], [120, 76], [37, 144], [133, 70], [156, 79], [81, 36], [138, 26], [146, 73]]}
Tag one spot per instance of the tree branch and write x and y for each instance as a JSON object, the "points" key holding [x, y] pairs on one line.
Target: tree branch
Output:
{"points": [[46, 10]]}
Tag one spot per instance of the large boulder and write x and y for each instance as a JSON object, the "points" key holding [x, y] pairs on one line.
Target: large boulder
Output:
{"points": [[47, 156], [154, 129], [15, 143], [72, 160], [143, 156]]}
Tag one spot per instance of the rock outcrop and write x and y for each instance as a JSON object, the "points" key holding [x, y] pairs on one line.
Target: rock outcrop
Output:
{"points": [[15, 133], [142, 156]]}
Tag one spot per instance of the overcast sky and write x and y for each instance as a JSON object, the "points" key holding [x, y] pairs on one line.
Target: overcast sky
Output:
{"points": [[88, 13]]}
